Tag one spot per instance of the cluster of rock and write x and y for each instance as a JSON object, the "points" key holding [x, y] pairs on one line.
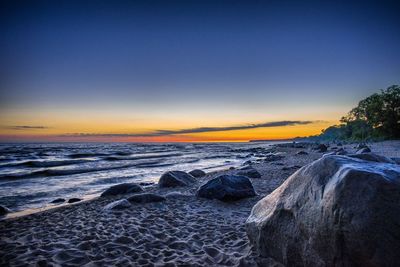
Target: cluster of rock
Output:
{"points": [[337, 211], [223, 187]]}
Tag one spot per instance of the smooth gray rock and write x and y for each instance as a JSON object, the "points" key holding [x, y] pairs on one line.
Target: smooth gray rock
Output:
{"points": [[197, 173], [252, 173], [176, 178], [336, 211], [227, 188], [118, 205], [3, 210], [121, 189], [146, 198]]}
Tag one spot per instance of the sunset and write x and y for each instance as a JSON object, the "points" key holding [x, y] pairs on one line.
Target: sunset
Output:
{"points": [[199, 133], [138, 67]]}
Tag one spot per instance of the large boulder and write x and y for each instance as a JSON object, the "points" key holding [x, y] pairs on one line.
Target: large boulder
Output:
{"points": [[197, 173], [176, 178], [146, 198], [227, 188], [336, 211], [121, 189]]}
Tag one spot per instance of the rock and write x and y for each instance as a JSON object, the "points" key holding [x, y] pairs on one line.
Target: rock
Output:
{"points": [[302, 153], [339, 144], [121, 189], [174, 195], [227, 188], [252, 173], [197, 173], [231, 168], [361, 146], [146, 183], [58, 200], [364, 150], [118, 205], [175, 178], [336, 211], [291, 168], [396, 160], [273, 157], [247, 167], [248, 162], [321, 148], [74, 200], [146, 198], [341, 151], [4, 210], [372, 157]]}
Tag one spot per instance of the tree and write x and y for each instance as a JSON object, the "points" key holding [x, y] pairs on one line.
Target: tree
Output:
{"points": [[377, 116]]}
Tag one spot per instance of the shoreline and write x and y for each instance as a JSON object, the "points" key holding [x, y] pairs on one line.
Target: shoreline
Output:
{"points": [[182, 230]]}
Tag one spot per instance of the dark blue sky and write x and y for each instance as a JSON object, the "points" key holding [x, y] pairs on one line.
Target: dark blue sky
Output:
{"points": [[225, 55]]}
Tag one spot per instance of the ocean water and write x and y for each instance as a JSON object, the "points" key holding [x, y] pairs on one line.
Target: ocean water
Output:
{"points": [[32, 175]]}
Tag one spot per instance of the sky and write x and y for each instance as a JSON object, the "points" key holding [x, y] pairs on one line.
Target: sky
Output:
{"points": [[189, 71]]}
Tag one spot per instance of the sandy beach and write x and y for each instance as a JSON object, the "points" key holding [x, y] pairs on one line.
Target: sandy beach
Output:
{"points": [[184, 230]]}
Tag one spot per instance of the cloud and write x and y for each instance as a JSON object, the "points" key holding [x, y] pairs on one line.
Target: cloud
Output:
{"points": [[26, 127], [156, 133]]}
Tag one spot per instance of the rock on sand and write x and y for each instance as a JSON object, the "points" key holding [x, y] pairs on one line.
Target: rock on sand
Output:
{"points": [[118, 205], [175, 178], [120, 189], [146, 198], [227, 188], [336, 211]]}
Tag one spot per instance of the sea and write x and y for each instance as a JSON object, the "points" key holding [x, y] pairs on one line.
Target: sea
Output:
{"points": [[34, 174]]}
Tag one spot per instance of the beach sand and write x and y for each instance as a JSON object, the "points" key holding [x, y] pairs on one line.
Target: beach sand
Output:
{"points": [[182, 231]]}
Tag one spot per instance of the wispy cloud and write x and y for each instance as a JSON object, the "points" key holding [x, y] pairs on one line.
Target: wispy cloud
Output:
{"points": [[26, 127], [195, 130]]}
